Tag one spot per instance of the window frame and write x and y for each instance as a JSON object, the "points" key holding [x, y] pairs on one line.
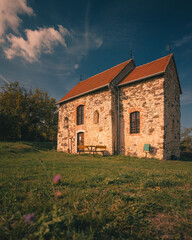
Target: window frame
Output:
{"points": [[66, 122], [80, 114], [135, 119]]}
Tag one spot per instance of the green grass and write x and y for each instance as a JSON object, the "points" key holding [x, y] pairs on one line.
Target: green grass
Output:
{"points": [[114, 197]]}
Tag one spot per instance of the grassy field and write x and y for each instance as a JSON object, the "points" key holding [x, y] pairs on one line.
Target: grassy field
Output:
{"points": [[114, 197]]}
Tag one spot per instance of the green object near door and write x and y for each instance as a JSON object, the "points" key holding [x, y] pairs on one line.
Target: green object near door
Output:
{"points": [[146, 147]]}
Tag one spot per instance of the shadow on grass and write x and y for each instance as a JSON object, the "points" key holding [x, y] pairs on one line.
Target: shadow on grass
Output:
{"points": [[186, 156], [42, 146]]}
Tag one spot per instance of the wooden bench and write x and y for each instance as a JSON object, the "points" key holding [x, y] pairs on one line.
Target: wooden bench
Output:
{"points": [[101, 149], [91, 149], [82, 148]]}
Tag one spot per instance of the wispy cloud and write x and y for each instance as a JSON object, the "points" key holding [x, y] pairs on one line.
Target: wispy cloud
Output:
{"points": [[76, 66], [180, 42], [9, 11], [4, 79], [79, 48], [87, 27], [183, 40], [186, 97], [38, 41], [91, 40]]}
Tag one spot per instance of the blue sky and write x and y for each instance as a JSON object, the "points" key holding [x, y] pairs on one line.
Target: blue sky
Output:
{"points": [[49, 43]]}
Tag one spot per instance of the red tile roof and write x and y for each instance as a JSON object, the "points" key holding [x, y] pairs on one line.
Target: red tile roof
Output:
{"points": [[103, 79], [147, 70], [98, 81]]}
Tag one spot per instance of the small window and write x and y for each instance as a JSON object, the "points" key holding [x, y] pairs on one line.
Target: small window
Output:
{"points": [[173, 125], [134, 122], [66, 122], [96, 117], [80, 115]]}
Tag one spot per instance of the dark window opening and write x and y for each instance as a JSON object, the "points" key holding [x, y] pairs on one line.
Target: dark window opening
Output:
{"points": [[134, 122], [66, 122], [80, 115], [173, 125]]}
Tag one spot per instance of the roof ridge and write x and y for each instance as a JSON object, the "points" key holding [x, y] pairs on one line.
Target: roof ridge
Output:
{"points": [[107, 69], [170, 55]]}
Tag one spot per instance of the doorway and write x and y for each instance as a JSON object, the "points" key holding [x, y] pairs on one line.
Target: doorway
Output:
{"points": [[80, 139]]}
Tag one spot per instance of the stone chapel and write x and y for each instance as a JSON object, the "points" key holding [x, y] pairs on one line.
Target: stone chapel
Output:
{"points": [[124, 108]]}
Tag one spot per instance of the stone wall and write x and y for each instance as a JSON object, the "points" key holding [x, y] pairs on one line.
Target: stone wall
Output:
{"points": [[172, 113], [114, 120], [94, 133], [147, 97]]}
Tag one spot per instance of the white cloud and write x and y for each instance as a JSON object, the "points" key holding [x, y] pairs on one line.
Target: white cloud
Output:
{"points": [[38, 41], [76, 66], [186, 97], [9, 10], [63, 31], [41, 40]]}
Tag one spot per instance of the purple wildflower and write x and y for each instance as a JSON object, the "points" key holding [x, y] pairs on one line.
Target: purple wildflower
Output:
{"points": [[57, 179], [29, 218]]}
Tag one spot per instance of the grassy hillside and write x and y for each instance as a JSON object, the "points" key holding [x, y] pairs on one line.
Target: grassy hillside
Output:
{"points": [[98, 197]]}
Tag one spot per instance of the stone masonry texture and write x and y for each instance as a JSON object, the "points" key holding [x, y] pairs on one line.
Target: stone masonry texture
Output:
{"points": [[172, 113], [147, 97], [99, 133]]}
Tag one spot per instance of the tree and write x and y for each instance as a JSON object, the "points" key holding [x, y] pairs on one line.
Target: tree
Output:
{"points": [[27, 114], [186, 139]]}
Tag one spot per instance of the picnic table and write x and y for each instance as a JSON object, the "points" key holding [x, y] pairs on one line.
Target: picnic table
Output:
{"points": [[92, 149]]}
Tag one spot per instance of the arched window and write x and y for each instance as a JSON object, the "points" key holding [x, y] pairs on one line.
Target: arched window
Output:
{"points": [[80, 115], [96, 117], [66, 122], [135, 122]]}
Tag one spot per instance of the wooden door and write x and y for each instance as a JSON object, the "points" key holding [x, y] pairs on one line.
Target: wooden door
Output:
{"points": [[80, 139]]}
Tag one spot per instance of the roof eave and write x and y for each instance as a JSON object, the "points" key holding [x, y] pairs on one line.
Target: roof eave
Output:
{"points": [[143, 78], [81, 94]]}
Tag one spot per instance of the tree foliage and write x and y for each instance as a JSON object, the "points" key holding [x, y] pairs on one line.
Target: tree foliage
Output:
{"points": [[186, 139], [27, 114]]}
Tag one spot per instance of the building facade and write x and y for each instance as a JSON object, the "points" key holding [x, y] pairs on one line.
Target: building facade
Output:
{"points": [[124, 108]]}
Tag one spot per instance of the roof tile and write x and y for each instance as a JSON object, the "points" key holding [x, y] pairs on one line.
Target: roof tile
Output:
{"points": [[147, 70], [100, 80]]}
